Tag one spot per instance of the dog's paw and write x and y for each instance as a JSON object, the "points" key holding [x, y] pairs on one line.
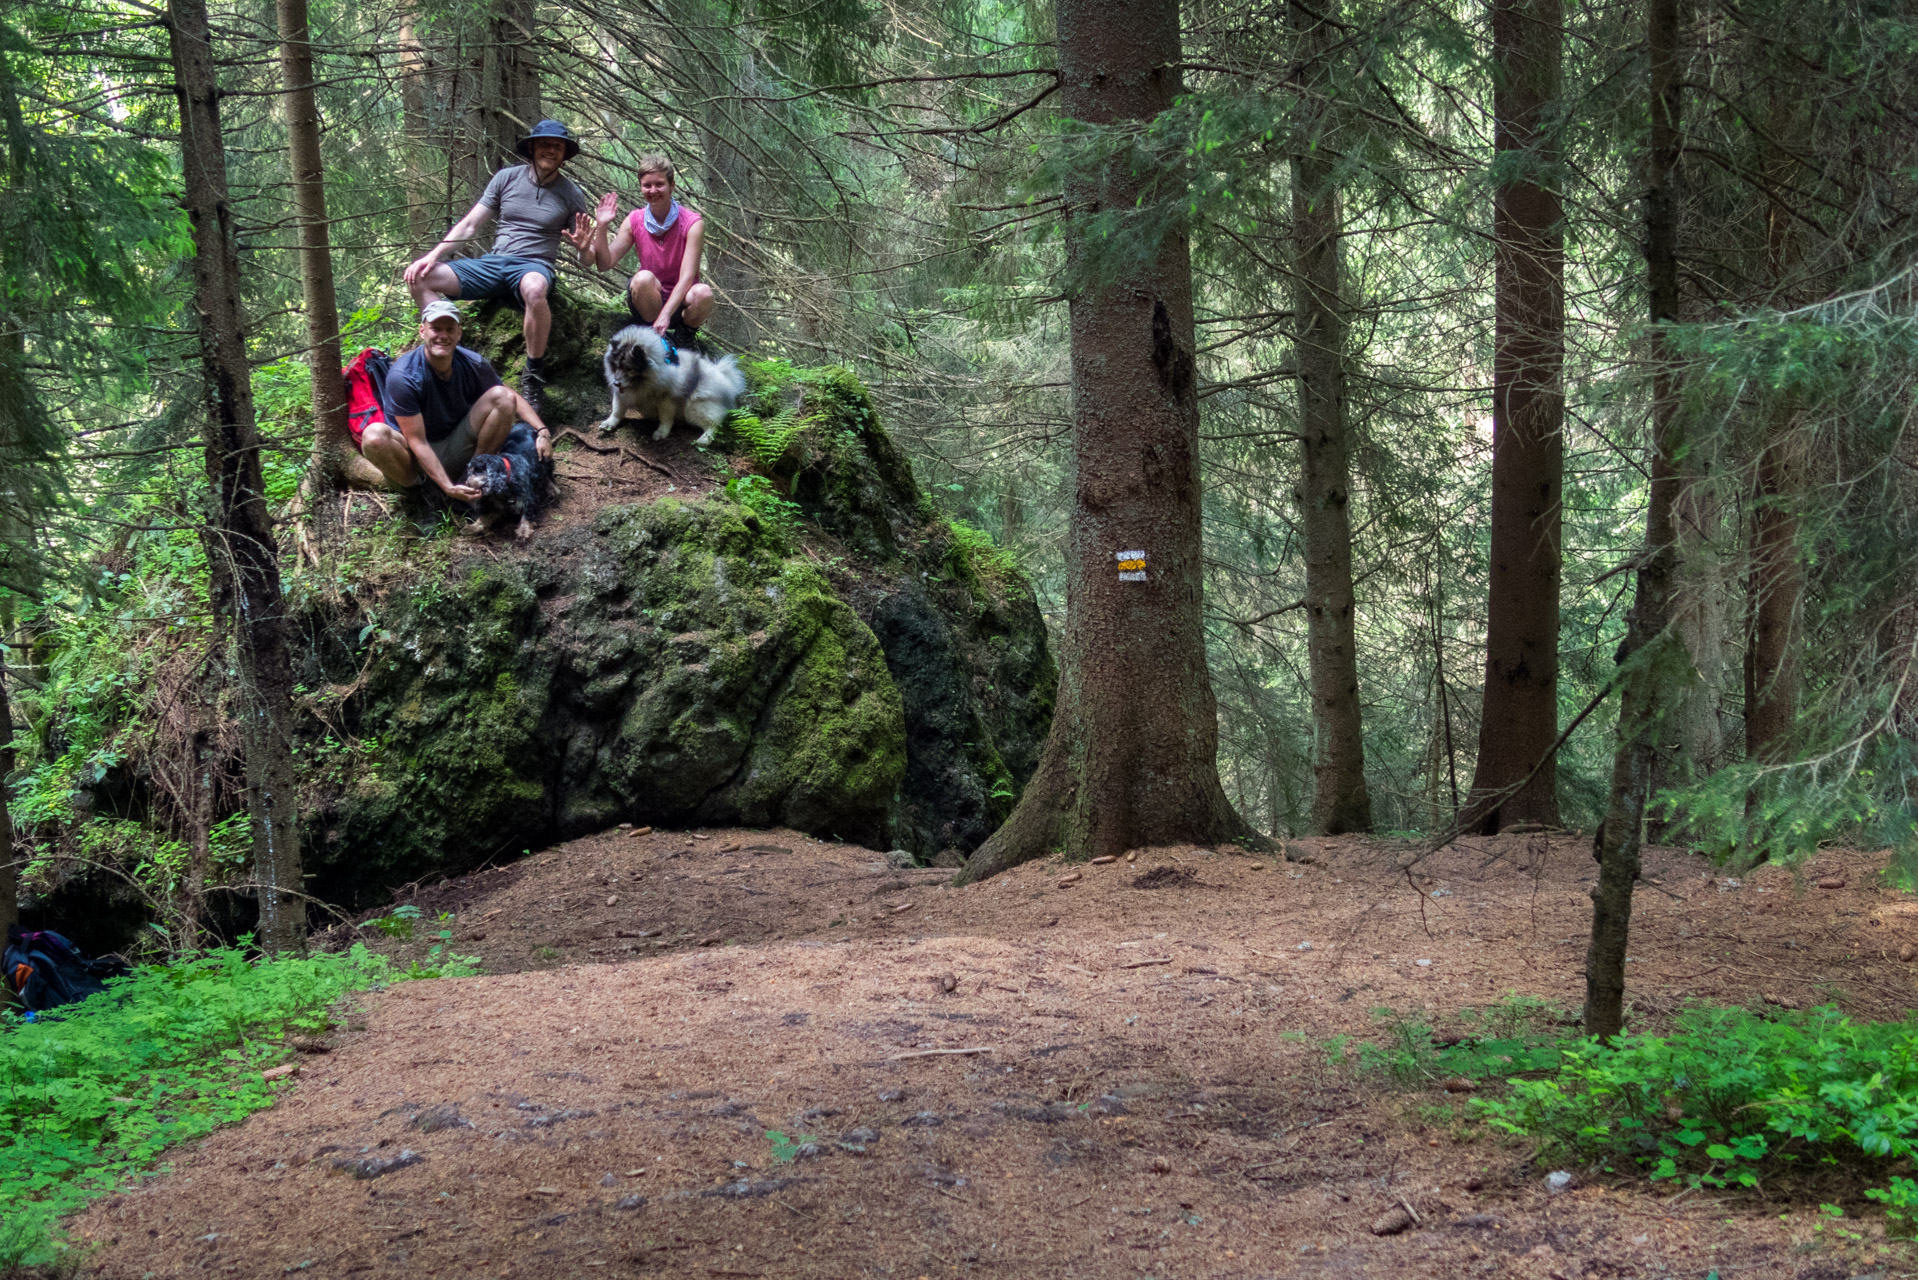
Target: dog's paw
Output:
{"points": [[705, 438], [665, 429], [525, 529], [611, 425]]}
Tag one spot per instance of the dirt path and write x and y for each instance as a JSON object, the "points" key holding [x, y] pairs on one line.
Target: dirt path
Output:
{"points": [[1151, 1096]]}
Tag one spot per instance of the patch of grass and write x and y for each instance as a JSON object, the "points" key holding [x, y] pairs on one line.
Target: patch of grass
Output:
{"points": [[91, 1095]]}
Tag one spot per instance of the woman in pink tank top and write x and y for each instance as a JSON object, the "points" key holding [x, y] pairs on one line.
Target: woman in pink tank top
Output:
{"points": [[666, 292]]}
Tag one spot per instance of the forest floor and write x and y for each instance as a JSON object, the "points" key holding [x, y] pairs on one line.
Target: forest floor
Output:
{"points": [[1151, 1093]]}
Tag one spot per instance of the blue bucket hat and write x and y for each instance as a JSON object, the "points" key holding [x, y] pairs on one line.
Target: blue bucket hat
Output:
{"points": [[549, 129]]}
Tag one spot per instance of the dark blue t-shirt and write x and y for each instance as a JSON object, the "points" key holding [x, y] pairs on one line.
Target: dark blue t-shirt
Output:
{"points": [[441, 403]]}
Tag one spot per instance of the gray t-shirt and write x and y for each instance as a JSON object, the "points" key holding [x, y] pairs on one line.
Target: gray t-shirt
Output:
{"points": [[531, 216]]}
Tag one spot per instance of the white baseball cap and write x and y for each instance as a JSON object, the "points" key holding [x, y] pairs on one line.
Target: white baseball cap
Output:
{"points": [[441, 310]]}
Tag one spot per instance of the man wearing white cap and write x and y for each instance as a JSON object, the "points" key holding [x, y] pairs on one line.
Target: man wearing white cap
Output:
{"points": [[446, 404], [537, 207]]}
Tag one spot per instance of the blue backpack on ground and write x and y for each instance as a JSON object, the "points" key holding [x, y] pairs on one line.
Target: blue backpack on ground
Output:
{"points": [[44, 971]]}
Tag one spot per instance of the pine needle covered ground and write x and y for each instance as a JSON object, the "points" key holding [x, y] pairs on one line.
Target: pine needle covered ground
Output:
{"points": [[732, 1053]]}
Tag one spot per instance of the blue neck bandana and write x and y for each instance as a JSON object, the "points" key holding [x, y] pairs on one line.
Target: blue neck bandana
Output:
{"points": [[658, 228]]}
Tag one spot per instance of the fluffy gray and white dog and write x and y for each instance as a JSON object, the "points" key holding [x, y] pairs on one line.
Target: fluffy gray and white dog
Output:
{"points": [[645, 374]]}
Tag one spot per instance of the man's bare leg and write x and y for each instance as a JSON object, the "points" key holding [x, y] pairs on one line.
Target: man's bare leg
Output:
{"points": [[438, 283], [387, 449], [492, 417], [533, 288]]}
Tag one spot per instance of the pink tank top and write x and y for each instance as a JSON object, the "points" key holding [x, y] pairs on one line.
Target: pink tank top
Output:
{"points": [[662, 255]]}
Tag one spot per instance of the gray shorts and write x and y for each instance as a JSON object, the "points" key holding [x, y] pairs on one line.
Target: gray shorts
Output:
{"points": [[454, 450]]}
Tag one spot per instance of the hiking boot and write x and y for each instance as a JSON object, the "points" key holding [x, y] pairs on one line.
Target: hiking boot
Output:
{"points": [[532, 390], [684, 338]]}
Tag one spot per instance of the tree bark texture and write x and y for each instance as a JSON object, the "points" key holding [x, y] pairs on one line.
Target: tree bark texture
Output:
{"points": [[1653, 652], [334, 456], [1519, 722], [239, 530], [1773, 651], [507, 104], [732, 254], [1340, 800], [426, 215], [1131, 759], [9, 873]]}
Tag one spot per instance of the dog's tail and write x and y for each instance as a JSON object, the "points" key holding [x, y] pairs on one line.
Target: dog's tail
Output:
{"points": [[726, 371]]}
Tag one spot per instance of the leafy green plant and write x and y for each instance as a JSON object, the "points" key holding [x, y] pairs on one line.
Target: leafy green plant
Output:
{"points": [[1731, 1094], [440, 962], [93, 1094], [397, 923], [759, 495], [786, 1148], [768, 440], [1514, 1036]]}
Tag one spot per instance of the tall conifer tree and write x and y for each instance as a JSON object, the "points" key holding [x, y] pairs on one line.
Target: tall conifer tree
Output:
{"points": [[1517, 774], [1131, 758]]}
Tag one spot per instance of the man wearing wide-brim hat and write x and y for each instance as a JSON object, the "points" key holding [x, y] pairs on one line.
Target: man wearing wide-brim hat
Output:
{"points": [[537, 207]]}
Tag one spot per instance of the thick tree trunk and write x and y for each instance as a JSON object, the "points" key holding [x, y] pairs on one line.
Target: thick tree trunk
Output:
{"points": [[239, 532], [508, 102], [1340, 801], [334, 457], [9, 873], [1773, 650], [1655, 653], [731, 256], [1519, 723], [1131, 759], [426, 215]]}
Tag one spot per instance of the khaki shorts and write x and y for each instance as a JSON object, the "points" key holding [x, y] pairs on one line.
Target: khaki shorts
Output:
{"points": [[454, 450]]}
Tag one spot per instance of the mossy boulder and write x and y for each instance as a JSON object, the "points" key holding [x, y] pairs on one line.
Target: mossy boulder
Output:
{"points": [[800, 652]]}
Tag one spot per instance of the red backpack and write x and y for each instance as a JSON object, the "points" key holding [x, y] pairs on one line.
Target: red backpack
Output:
{"points": [[366, 390]]}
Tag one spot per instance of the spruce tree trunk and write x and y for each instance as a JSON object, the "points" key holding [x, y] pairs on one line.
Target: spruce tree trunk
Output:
{"points": [[508, 103], [426, 215], [1340, 800], [334, 457], [1652, 646], [1519, 723], [1131, 759], [731, 256], [1776, 587], [239, 530], [9, 874]]}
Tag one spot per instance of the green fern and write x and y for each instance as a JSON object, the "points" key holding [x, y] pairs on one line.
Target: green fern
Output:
{"points": [[769, 441]]}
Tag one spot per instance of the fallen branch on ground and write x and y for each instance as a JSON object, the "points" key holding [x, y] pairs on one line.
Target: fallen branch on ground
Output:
{"points": [[622, 450], [938, 1053]]}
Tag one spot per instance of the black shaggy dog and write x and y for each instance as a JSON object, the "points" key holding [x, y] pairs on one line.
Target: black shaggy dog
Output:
{"points": [[512, 482]]}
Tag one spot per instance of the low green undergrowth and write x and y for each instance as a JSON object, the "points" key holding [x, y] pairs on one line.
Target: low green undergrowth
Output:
{"points": [[1518, 1035], [91, 1096], [1727, 1098], [1730, 1096]]}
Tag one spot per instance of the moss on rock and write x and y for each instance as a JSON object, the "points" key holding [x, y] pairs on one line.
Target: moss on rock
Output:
{"points": [[688, 660]]}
